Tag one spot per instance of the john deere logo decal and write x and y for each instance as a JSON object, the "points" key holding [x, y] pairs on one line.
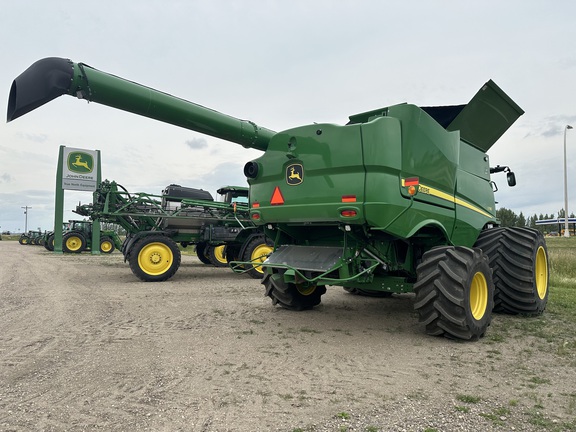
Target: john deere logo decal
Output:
{"points": [[294, 174], [80, 162]]}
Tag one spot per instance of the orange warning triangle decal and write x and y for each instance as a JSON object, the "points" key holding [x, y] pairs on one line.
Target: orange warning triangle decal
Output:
{"points": [[277, 198]]}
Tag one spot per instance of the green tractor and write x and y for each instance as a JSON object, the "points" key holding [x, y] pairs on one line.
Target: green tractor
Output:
{"points": [[398, 200], [78, 237], [31, 238], [48, 238]]}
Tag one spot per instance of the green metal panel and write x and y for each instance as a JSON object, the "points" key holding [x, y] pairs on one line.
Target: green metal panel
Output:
{"points": [[329, 161], [486, 117]]}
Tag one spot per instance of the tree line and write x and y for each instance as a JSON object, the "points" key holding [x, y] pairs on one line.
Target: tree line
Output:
{"points": [[510, 219]]}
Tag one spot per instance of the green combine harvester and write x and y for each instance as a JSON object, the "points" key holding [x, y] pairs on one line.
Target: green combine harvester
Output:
{"points": [[398, 200]]}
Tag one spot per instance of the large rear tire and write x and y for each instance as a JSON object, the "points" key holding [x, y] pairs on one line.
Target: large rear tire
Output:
{"points": [[290, 295], [519, 260], [256, 251], [49, 243], [73, 242], [154, 258], [454, 292]]}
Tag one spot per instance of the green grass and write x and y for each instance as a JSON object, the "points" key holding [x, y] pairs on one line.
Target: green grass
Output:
{"points": [[468, 398], [562, 297]]}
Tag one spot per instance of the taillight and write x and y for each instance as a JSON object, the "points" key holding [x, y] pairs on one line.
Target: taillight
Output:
{"points": [[348, 213]]}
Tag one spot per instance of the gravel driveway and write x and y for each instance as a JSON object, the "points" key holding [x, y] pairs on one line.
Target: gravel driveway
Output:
{"points": [[84, 345]]}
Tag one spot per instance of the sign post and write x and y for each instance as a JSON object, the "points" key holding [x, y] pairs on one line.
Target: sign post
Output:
{"points": [[80, 170]]}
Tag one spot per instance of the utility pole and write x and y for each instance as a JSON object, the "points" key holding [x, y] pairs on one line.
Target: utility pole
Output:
{"points": [[566, 226], [26, 218]]}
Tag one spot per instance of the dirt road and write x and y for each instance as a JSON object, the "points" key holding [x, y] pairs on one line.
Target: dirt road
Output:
{"points": [[84, 345]]}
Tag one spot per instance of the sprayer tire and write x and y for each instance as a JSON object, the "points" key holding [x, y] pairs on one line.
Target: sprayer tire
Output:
{"points": [[454, 292], [290, 295], [217, 256], [154, 258], [107, 245], [519, 260], [201, 253], [233, 254], [73, 242], [257, 250]]}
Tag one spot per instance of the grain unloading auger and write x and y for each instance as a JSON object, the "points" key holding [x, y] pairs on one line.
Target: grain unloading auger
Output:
{"points": [[397, 200]]}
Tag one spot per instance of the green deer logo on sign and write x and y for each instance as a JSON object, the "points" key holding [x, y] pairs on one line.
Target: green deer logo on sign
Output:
{"points": [[80, 162]]}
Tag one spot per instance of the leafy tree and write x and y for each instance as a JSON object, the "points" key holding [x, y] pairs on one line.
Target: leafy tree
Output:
{"points": [[532, 221], [521, 222], [507, 217]]}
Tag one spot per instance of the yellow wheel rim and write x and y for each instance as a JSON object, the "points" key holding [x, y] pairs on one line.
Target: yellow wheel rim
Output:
{"points": [[106, 246], [478, 296], [541, 273], [155, 259], [219, 254], [73, 243], [259, 255], [306, 291]]}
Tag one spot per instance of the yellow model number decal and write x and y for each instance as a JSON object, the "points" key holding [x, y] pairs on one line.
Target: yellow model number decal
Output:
{"points": [[424, 190]]}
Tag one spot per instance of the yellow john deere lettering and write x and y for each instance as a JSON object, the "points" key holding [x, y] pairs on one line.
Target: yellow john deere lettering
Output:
{"points": [[445, 196]]}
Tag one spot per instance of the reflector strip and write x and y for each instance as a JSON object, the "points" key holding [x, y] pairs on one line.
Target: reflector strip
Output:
{"points": [[277, 198], [348, 213], [451, 198], [255, 205], [412, 181], [348, 198]]}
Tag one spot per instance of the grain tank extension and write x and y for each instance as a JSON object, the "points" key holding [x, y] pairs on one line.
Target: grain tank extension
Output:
{"points": [[397, 200]]}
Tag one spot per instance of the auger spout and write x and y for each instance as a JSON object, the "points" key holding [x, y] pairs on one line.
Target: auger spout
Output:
{"points": [[52, 77]]}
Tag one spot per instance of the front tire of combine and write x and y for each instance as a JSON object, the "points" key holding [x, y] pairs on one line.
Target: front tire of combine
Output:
{"points": [[201, 253], [154, 258], [106, 245], [257, 250], [217, 255], [454, 292], [520, 272], [73, 243], [290, 295]]}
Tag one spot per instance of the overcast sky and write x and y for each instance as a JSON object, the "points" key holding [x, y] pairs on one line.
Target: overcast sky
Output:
{"points": [[282, 64]]}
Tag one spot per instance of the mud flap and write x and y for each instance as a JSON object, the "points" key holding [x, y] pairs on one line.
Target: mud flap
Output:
{"points": [[310, 258]]}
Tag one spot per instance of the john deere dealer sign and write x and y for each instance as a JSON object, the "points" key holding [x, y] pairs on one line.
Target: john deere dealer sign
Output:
{"points": [[79, 169]]}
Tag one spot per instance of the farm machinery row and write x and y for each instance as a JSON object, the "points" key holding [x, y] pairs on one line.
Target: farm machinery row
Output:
{"points": [[156, 224], [76, 238], [398, 200]]}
